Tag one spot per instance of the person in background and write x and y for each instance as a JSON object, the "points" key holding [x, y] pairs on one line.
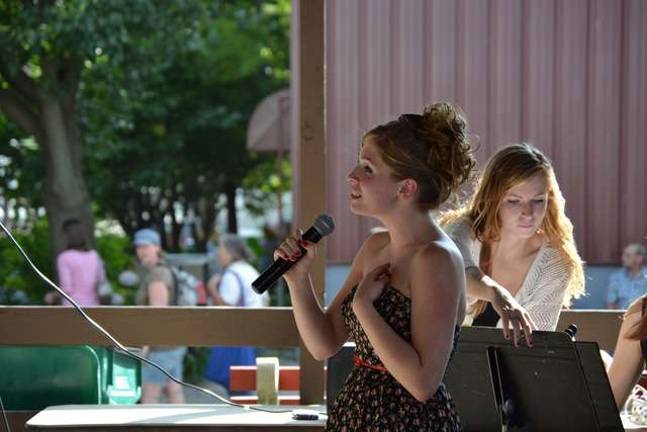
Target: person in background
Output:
{"points": [[80, 268], [629, 283], [157, 288], [520, 256], [213, 267], [630, 353], [233, 288]]}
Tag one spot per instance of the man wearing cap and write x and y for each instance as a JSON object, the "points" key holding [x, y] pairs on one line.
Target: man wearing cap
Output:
{"points": [[157, 288]]}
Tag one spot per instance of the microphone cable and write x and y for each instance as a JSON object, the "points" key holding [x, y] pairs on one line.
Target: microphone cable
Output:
{"points": [[4, 415], [117, 346]]}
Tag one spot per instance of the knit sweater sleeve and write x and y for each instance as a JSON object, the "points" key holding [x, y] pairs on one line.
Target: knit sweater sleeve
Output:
{"points": [[546, 289], [461, 233]]}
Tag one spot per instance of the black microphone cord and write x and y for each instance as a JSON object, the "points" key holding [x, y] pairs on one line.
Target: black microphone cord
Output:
{"points": [[115, 344]]}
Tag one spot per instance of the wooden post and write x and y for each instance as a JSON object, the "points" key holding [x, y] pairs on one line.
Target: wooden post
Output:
{"points": [[309, 155]]}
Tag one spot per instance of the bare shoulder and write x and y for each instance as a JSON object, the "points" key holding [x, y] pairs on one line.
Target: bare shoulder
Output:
{"points": [[366, 253], [635, 309], [378, 240], [442, 250], [438, 277], [632, 318], [374, 244], [435, 256]]}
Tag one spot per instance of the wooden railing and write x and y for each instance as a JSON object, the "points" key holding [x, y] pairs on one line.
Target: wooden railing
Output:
{"points": [[208, 326], [173, 326], [138, 326]]}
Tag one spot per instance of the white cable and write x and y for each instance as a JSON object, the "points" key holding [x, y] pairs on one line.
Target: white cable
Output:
{"points": [[4, 414], [117, 345]]}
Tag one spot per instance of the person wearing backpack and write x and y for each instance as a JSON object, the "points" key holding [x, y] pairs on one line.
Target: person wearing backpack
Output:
{"points": [[157, 288], [233, 288]]}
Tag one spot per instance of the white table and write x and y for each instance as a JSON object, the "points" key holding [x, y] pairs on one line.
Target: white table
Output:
{"points": [[169, 418]]}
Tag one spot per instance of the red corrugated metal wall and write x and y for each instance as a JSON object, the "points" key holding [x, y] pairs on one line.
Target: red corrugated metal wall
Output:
{"points": [[567, 75]]}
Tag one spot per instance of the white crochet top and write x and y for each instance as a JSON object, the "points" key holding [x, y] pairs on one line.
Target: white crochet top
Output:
{"points": [[543, 289]]}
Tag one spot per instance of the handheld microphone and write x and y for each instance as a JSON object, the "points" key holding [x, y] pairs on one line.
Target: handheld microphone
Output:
{"points": [[322, 226]]}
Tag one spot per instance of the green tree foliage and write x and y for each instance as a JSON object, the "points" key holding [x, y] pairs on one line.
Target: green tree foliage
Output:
{"points": [[179, 141], [265, 183], [21, 180], [15, 274], [153, 97], [45, 48]]}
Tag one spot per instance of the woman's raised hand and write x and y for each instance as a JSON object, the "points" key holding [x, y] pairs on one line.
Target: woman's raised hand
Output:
{"points": [[299, 251]]}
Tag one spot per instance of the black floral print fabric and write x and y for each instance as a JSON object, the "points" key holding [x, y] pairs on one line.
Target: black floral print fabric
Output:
{"points": [[371, 399]]}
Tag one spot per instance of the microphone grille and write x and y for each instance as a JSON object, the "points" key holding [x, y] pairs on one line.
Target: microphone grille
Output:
{"points": [[324, 225]]}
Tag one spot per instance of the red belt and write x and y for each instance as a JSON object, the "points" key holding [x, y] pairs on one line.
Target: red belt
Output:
{"points": [[357, 361]]}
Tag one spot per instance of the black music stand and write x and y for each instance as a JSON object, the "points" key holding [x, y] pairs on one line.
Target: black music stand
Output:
{"points": [[558, 385]]}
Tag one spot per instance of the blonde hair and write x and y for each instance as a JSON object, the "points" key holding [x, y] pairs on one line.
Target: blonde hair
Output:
{"points": [[508, 167]]}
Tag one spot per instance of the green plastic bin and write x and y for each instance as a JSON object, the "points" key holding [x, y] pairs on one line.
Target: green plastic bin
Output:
{"points": [[35, 377]]}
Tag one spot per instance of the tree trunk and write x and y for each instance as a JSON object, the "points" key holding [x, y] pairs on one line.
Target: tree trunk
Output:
{"points": [[232, 220], [206, 209], [47, 110], [66, 195]]}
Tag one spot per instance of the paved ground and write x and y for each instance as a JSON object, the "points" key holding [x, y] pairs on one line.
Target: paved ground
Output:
{"points": [[197, 397], [192, 396]]}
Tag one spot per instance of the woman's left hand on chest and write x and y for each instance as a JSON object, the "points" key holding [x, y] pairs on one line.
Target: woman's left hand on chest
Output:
{"points": [[373, 283]]}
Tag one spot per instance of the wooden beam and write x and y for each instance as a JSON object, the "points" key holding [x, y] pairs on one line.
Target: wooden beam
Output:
{"points": [[138, 326], [308, 74]]}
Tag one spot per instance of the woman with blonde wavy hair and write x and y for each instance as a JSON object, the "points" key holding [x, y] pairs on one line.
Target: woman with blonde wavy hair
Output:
{"points": [[521, 261]]}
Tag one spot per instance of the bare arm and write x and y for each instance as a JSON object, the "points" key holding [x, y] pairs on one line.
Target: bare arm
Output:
{"points": [[158, 294], [419, 365], [212, 288], [101, 270], [627, 362], [218, 300], [64, 282], [482, 287], [64, 275], [323, 331]]}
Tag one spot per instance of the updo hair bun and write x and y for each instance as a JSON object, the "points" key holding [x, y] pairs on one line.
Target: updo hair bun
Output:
{"points": [[449, 154], [432, 148]]}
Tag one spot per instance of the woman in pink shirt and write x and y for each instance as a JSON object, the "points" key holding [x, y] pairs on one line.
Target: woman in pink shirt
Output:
{"points": [[80, 269]]}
